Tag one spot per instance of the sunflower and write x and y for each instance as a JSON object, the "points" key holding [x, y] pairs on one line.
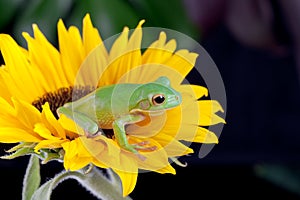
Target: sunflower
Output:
{"points": [[35, 81]]}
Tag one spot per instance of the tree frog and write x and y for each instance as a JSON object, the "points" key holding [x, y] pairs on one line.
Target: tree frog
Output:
{"points": [[115, 106]]}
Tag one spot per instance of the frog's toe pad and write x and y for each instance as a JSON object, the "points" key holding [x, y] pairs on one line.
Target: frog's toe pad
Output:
{"points": [[142, 146]]}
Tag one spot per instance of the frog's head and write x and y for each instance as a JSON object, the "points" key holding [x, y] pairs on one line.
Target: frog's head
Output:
{"points": [[155, 96]]}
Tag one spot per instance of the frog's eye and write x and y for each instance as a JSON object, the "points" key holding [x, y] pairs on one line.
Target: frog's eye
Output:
{"points": [[158, 99]]}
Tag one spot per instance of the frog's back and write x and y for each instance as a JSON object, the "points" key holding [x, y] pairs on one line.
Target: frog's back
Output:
{"points": [[105, 103]]}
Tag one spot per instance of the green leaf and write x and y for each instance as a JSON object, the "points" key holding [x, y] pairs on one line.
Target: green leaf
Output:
{"points": [[166, 14], [282, 175], [8, 9], [94, 181], [111, 16], [45, 13], [32, 178], [108, 16]]}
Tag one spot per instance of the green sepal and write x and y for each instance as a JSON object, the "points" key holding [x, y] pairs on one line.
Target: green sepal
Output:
{"points": [[50, 157], [51, 154], [21, 145], [32, 178], [177, 162], [20, 152]]}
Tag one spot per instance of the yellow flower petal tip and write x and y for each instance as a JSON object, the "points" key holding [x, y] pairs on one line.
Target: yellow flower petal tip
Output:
{"points": [[211, 139], [34, 27], [125, 29], [141, 23]]}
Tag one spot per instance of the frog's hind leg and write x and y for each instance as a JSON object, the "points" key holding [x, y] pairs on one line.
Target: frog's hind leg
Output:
{"points": [[90, 126], [120, 134]]}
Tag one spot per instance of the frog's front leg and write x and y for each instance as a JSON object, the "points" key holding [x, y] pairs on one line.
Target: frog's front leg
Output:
{"points": [[120, 134]]}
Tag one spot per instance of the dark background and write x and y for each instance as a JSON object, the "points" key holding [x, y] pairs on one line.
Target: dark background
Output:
{"points": [[255, 46]]}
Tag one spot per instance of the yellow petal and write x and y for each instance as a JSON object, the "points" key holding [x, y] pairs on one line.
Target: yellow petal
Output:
{"points": [[54, 66], [167, 169], [79, 163], [150, 72], [74, 158], [40, 56], [128, 180], [187, 132], [119, 46], [100, 164], [189, 111], [112, 147], [193, 91], [70, 50], [67, 158], [183, 61], [208, 109], [26, 113], [44, 132], [124, 56], [96, 56], [13, 86], [105, 150], [135, 39], [6, 108], [19, 76], [5, 92], [91, 146], [9, 118], [76, 41], [118, 67], [172, 146], [173, 121], [154, 160], [13, 135], [70, 125], [92, 68], [70, 149], [203, 135], [159, 51], [91, 37], [49, 144], [49, 119], [82, 156]]}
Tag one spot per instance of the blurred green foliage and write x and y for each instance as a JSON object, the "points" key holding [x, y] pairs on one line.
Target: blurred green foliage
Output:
{"points": [[285, 176], [109, 16]]}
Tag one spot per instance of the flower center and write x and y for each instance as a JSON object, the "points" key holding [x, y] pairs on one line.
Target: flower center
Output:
{"points": [[61, 96]]}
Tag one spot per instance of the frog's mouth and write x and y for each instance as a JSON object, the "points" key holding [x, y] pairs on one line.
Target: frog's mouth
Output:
{"points": [[173, 101], [156, 112], [150, 112]]}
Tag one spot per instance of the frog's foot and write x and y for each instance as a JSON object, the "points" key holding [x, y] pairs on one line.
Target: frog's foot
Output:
{"points": [[134, 148], [90, 135], [141, 146]]}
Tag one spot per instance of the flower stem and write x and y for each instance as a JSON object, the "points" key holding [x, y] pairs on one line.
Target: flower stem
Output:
{"points": [[95, 181], [100, 186]]}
